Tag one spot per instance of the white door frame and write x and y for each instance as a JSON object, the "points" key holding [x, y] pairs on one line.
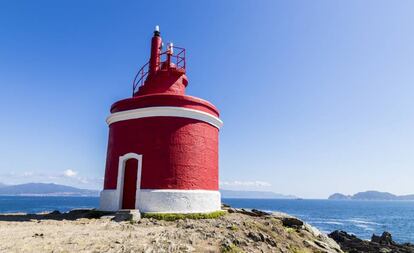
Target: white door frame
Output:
{"points": [[121, 175]]}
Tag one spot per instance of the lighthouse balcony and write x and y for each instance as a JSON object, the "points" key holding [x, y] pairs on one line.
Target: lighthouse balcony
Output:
{"points": [[171, 64]]}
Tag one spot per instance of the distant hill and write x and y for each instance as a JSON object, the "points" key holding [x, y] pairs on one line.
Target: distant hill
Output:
{"points": [[339, 196], [370, 195], [231, 194], [406, 197], [2, 185], [42, 189]]}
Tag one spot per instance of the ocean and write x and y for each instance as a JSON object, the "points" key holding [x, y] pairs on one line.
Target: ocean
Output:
{"points": [[362, 218]]}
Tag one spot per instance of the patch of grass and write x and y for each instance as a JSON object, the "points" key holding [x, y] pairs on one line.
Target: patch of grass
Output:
{"points": [[181, 216], [231, 249], [290, 230], [234, 228], [263, 228], [293, 249]]}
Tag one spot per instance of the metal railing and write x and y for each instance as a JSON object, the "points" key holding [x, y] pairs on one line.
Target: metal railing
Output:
{"points": [[178, 59]]}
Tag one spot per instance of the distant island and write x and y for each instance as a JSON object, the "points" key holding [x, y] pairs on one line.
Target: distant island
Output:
{"points": [[42, 189], [371, 195], [232, 194]]}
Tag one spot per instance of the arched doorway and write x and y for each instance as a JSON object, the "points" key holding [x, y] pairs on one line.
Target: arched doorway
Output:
{"points": [[129, 180]]}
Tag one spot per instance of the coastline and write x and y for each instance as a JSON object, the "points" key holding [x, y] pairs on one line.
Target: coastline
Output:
{"points": [[359, 218], [237, 230], [93, 231]]}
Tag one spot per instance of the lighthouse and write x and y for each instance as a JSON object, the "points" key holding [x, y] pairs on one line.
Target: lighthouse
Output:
{"points": [[162, 152]]}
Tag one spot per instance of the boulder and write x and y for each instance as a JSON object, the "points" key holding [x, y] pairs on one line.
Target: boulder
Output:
{"points": [[127, 215], [383, 243], [384, 239], [292, 222], [260, 213]]}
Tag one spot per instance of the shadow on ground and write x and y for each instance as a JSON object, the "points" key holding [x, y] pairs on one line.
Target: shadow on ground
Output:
{"points": [[55, 215]]}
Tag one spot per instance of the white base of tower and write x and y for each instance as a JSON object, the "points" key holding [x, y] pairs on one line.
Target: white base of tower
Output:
{"points": [[165, 201], [179, 201], [109, 200]]}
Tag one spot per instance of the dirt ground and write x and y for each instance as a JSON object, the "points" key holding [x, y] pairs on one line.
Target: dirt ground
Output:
{"points": [[233, 232]]}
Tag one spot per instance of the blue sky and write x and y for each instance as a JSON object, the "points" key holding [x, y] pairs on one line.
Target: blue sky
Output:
{"points": [[316, 96]]}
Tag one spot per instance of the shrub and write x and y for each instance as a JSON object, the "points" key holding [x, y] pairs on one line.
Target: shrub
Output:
{"points": [[181, 216]]}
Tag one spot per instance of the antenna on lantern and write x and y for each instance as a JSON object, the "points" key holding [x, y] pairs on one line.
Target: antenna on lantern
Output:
{"points": [[157, 30], [170, 52], [171, 48]]}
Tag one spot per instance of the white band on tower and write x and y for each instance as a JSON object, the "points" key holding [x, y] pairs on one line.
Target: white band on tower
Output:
{"points": [[165, 111]]}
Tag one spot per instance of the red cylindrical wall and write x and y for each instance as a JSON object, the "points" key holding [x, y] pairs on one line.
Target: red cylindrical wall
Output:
{"points": [[178, 153]]}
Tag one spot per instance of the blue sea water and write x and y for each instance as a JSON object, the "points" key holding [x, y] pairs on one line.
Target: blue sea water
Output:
{"points": [[37, 204], [362, 218]]}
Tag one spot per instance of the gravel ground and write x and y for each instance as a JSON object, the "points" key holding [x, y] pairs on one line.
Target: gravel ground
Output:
{"points": [[237, 231]]}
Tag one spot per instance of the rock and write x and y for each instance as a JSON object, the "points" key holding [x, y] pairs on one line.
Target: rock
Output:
{"points": [[385, 250], [107, 217], [314, 231], [330, 243], [383, 243], [56, 212], [322, 244], [247, 212], [189, 226], [253, 212], [292, 222], [260, 213], [223, 206], [127, 215], [243, 230], [226, 245], [270, 241], [254, 236], [384, 239], [262, 237]]}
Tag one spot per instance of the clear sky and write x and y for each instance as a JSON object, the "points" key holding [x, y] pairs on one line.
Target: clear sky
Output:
{"points": [[316, 96]]}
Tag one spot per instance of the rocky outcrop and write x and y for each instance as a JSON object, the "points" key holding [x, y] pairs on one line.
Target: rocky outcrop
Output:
{"points": [[292, 222], [378, 244], [306, 237], [240, 230]]}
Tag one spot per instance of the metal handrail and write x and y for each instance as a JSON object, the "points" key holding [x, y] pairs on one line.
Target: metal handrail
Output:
{"points": [[142, 73], [178, 59]]}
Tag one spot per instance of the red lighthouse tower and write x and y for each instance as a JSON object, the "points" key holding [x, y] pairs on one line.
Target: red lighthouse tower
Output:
{"points": [[163, 145]]}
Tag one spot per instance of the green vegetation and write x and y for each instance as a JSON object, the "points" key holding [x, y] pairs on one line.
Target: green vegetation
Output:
{"points": [[181, 216], [262, 228], [234, 228], [297, 250], [231, 249], [290, 230]]}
